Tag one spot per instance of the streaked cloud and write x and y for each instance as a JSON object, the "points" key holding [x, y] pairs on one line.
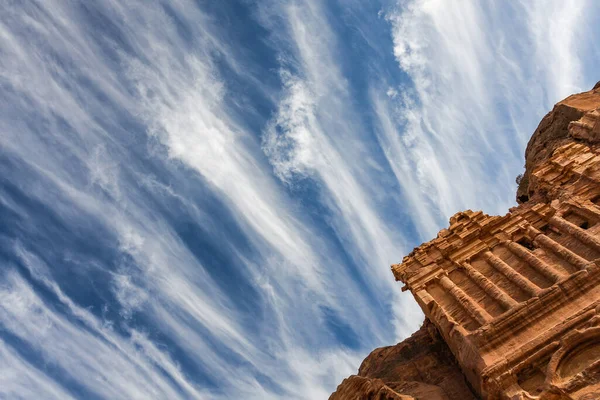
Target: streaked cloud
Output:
{"points": [[482, 76]]}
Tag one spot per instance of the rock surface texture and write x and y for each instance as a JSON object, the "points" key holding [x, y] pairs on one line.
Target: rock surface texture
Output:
{"points": [[512, 302], [421, 367], [573, 119]]}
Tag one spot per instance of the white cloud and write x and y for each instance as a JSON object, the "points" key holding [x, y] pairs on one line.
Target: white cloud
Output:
{"points": [[107, 365], [482, 76], [316, 134], [21, 380], [180, 96], [556, 29]]}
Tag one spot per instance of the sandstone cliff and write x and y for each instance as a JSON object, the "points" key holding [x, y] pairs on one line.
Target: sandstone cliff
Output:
{"points": [[556, 232]]}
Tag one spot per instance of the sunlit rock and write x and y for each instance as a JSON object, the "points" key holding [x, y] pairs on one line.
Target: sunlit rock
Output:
{"points": [[512, 302]]}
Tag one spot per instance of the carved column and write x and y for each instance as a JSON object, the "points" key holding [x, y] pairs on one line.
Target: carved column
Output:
{"points": [[511, 274], [488, 286], [534, 262], [474, 309], [539, 239], [580, 234]]}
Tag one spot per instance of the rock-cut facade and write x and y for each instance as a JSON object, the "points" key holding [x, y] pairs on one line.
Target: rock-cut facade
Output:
{"points": [[512, 303]]}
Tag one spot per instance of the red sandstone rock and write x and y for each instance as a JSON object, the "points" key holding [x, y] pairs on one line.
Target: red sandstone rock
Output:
{"points": [[516, 298], [360, 388], [421, 367], [573, 119]]}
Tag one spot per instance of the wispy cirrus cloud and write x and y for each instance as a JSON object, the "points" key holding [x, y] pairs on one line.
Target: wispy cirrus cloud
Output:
{"points": [[92, 171], [22, 380], [482, 75], [317, 134]]}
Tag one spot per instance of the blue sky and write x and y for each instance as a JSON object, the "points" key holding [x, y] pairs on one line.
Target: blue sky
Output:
{"points": [[201, 199]]}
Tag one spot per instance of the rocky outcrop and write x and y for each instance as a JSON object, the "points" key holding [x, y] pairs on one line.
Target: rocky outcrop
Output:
{"points": [[575, 119], [358, 387], [420, 367]]}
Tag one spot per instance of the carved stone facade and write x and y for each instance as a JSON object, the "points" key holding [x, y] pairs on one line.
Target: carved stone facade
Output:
{"points": [[517, 298]]}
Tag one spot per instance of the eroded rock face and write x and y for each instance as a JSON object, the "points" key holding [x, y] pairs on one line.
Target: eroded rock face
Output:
{"points": [[575, 119], [358, 387], [420, 367]]}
